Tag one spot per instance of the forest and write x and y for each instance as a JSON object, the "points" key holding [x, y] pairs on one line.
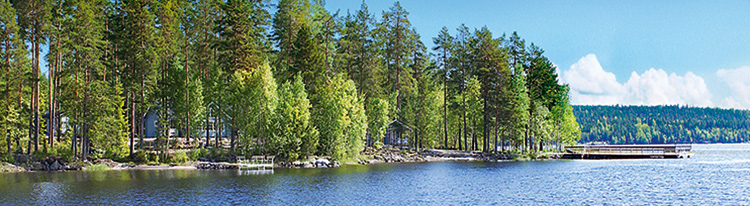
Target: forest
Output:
{"points": [[286, 78], [662, 124]]}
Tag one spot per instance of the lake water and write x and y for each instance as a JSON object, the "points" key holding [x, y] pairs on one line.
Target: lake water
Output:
{"points": [[715, 174]]}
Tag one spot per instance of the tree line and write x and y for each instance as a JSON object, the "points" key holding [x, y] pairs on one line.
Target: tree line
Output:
{"points": [[662, 124], [297, 82]]}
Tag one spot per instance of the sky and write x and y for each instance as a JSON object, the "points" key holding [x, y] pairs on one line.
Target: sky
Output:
{"points": [[694, 53]]}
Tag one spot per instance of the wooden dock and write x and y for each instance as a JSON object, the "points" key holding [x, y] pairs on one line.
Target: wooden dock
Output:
{"points": [[255, 162], [657, 151]]}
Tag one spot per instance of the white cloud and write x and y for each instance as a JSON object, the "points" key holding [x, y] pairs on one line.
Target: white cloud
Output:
{"points": [[738, 81], [590, 84]]}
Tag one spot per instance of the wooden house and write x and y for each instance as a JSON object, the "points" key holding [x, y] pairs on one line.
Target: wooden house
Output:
{"points": [[397, 134]]}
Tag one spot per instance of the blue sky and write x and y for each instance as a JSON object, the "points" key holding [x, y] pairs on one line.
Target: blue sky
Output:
{"points": [[614, 52]]}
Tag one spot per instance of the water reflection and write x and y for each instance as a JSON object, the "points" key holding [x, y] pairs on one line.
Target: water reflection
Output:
{"points": [[715, 174]]}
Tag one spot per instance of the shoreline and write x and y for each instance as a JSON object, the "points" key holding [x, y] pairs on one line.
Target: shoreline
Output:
{"points": [[368, 157]]}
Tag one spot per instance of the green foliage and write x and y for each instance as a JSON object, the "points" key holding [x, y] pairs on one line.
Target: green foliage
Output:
{"points": [[566, 128], [295, 137], [243, 30], [290, 18], [7, 157], [139, 157], [197, 63], [662, 124], [377, 118], [194, 155], [14, 70], [180, 156], [255, 101], [340, 119], [519, 117]]}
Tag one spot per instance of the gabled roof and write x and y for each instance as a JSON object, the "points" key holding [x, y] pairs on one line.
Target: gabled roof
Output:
{"points": [[395, 122]]}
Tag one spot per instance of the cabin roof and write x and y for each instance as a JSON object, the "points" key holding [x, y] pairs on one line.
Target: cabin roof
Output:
{"points": [[398, 124]]}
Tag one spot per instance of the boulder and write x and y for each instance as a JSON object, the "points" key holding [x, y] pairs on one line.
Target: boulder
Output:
{"points": [[322, 162], [55, 166], [7, 167]]}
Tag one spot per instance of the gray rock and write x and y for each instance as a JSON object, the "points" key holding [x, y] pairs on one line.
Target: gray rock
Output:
{"points": [[55, 166], [322, 162]]}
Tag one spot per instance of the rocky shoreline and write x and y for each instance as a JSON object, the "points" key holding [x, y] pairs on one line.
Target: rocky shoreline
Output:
{"points": [[429, 155], [370, 156], [29, 163]]}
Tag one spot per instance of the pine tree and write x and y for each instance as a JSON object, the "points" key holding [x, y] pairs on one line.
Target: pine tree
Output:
{"points": [[396, 30], [33, 22], [519, 116], [202, 19], [13, 72], [308, 60], [443, 45], [489, 62], [242, 47], [462, 70], [290, 17], [139, 57]]}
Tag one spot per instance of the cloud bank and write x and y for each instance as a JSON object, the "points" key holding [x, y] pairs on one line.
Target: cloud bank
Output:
{"points": [[738, 81], [590, 84]]}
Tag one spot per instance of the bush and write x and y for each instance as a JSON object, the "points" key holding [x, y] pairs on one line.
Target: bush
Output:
{"points": [[8, 158], [196, 154], [378, 145], [180, 157], [152, 158], [139, 157]]}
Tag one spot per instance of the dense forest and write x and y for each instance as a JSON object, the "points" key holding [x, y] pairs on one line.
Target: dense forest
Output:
{"points": [[662, 124], [286, 78]]}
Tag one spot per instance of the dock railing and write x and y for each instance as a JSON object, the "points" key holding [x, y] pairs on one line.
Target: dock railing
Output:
{"points": [[630, 149], [256, 162]]}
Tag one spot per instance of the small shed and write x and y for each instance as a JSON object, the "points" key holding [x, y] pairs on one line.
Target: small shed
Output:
{"points": [[397, 133]]}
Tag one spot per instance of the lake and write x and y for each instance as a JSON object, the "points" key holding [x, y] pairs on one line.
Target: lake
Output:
{"points": [[715, 174]]}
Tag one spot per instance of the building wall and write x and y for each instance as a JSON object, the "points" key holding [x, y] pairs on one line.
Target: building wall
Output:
{"points": [[150, 128]]}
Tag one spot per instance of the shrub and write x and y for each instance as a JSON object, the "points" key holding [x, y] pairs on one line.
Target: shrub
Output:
{"points": [[180, 157], [139, 157], [152, 158], [194, 155], [378, 145], [8, 158]]}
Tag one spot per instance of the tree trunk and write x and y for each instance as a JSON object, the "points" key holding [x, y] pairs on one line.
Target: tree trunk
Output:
{"points": [[460, 132], [85, 139], [187, 96], [445, 99], [7, 97], [208, 117], [130, 102], [466, 135], [75, 134], [51, 102], [233, 130], [35, 90], [494, 146], [219, 128], [142, 112]]}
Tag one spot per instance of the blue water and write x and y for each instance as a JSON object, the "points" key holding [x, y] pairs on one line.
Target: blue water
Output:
{"points": [[715, 174]]}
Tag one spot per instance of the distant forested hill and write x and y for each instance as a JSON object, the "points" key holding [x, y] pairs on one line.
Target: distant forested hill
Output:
{"points": [[662, 124]]}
